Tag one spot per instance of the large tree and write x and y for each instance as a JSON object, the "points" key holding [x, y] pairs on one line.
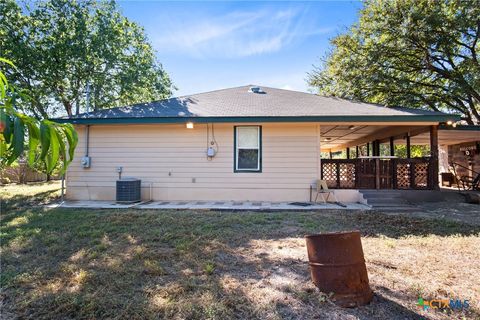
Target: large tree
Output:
{"points": [[61, 47], [412, 53]]}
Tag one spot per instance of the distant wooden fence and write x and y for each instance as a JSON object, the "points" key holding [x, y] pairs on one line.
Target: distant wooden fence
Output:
{"points": [[22, 173]]}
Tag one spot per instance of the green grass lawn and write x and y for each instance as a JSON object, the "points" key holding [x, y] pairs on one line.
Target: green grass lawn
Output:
{"points": [[136, 264]]}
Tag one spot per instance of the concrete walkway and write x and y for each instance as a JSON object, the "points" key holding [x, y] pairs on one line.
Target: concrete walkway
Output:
{"points": [[210, 205]]}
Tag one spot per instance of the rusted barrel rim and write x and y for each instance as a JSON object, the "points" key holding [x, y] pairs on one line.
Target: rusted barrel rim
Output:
{"points": [[317, 264], [331, 234]]}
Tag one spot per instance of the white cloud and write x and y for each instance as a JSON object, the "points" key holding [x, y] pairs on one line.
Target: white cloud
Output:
{"points": [[236, 34]]}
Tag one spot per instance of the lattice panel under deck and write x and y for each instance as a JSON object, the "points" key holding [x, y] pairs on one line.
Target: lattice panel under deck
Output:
{"points": [[347, 175], [421, 175], [403, 176], [329, 174]]}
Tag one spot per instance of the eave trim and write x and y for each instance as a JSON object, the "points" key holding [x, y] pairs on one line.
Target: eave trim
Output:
{"points": [[150, 120]]}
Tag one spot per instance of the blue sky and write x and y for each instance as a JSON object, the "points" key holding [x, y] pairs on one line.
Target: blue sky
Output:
{"points": [[212, 45]]}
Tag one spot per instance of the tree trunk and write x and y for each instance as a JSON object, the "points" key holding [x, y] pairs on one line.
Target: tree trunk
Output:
{"points": [[68, 107]]}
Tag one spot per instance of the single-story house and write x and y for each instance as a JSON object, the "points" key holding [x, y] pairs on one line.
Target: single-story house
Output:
{"points": [[250, 143]]}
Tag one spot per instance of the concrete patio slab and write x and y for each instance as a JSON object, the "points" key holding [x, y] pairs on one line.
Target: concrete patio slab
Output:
{"points": [[210, 205], [91, 205]]}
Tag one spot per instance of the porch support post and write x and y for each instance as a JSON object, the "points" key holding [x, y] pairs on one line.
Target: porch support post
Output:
{"points": [[375, 148], [356, 152], [393, 164], [319, 153], [377, 173], [392, 147], [408, 146], [434, 156], [368, 149], [330, 153], [376, 153], [348, 153]]}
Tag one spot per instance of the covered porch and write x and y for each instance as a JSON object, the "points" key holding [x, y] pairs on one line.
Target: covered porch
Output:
{"points": [[380, 157]]}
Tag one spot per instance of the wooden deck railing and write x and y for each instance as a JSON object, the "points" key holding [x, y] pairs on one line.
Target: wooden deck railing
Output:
{"points": [[378, 173]]}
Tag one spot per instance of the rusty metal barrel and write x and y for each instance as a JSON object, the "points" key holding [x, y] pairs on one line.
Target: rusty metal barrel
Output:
{"points": [[337, 265]]}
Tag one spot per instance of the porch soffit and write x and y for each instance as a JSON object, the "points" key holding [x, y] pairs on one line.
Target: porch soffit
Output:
{"points": [[339, 137], [449, 137]]}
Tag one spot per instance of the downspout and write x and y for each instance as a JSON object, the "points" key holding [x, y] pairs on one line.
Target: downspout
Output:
{"points": [[86, 159], [87, 139], [87, 127]]}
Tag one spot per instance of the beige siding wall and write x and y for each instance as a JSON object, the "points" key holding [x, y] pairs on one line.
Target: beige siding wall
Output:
{"points": [[172, 160]]}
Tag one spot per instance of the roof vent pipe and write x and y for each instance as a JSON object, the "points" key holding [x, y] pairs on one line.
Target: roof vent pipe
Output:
{"points": [[256, 90]]}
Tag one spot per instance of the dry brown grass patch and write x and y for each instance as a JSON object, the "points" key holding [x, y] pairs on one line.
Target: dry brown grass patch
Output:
{"points": [[220, 265]]}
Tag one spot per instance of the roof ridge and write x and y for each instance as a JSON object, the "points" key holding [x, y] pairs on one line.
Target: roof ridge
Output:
{"points": [[166, 99], [335, 97], [186, 95], [210, 91]]}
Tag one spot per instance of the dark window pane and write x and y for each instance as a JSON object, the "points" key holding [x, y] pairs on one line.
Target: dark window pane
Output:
{"points": [[248, 159]]}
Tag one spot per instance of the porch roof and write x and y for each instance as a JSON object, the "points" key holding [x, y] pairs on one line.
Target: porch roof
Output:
{"points": [[338, 137]]}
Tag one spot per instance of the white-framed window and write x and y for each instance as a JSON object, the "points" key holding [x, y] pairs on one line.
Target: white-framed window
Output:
{"points": [[248, 149]]}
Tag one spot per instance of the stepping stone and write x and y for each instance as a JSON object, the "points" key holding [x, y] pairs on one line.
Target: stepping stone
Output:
{"points": [[219, 203]]}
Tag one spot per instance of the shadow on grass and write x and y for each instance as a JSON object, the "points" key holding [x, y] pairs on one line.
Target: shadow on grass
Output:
{"points": [[19, 201], [164, 264]]}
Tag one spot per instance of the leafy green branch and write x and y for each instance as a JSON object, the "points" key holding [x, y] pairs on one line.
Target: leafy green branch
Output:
{"points": [[48, 142]]}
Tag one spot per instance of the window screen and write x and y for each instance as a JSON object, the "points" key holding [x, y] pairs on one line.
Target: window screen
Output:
{"points": [[247, 148]]}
